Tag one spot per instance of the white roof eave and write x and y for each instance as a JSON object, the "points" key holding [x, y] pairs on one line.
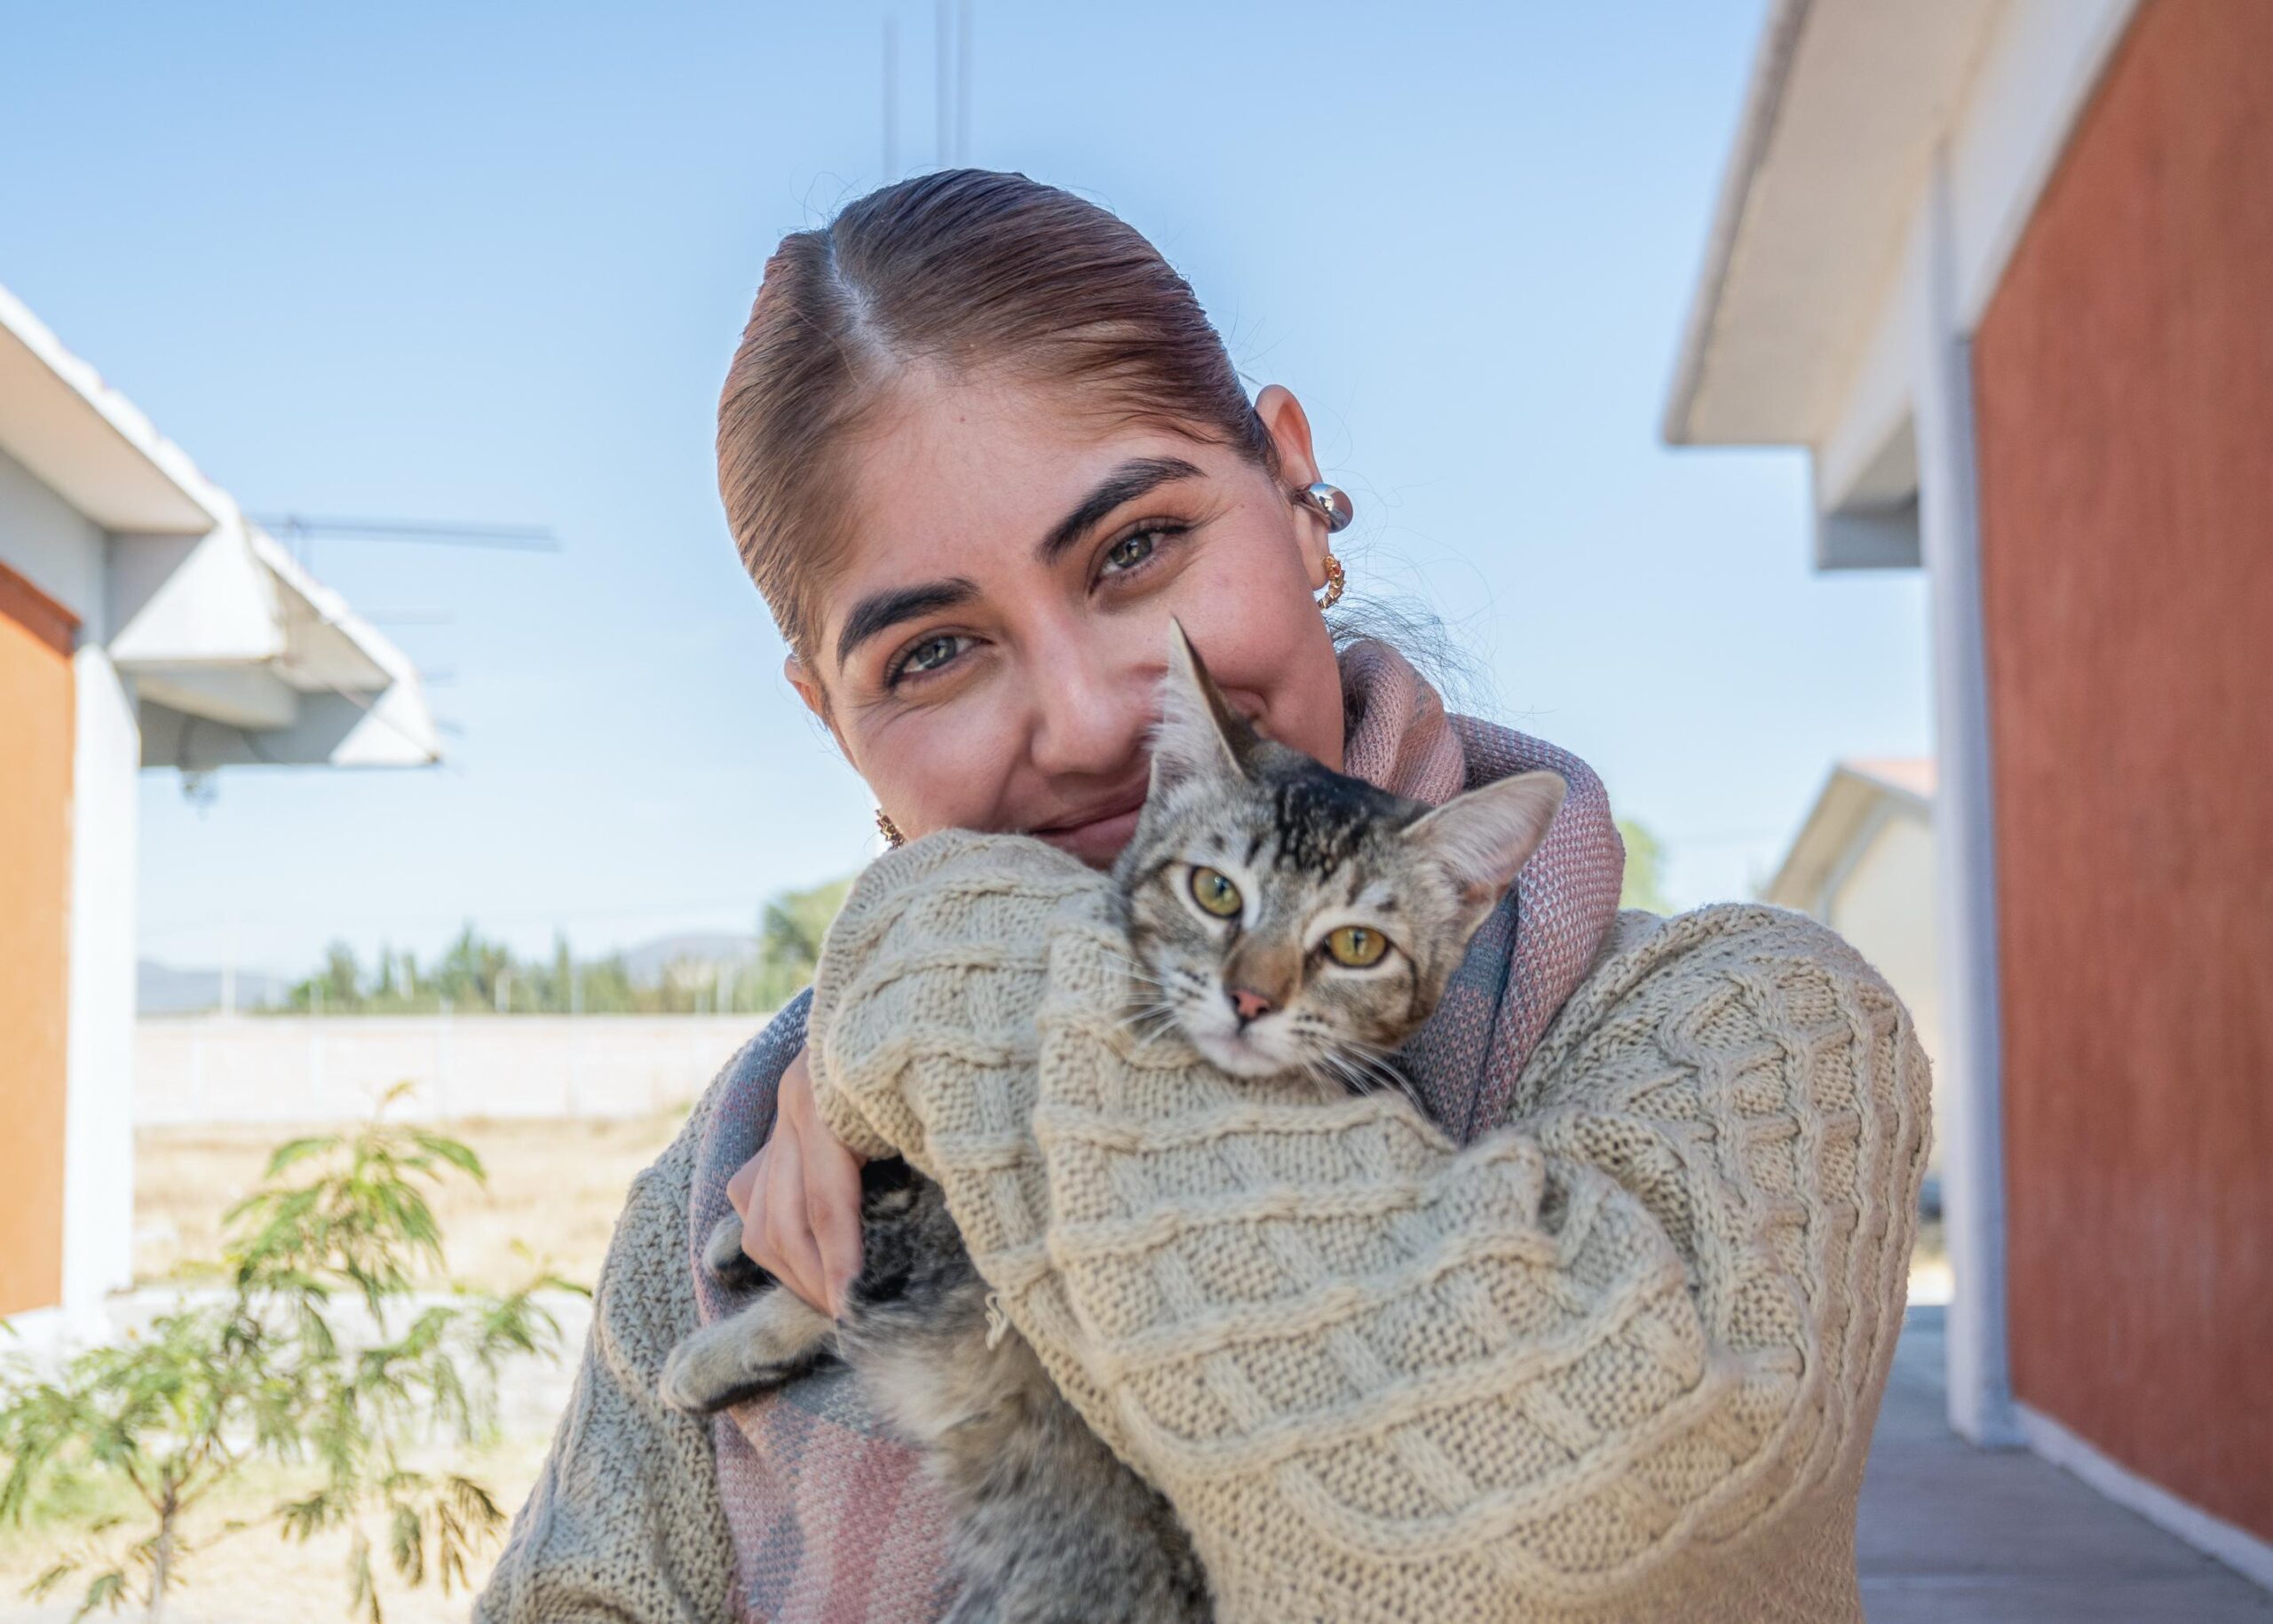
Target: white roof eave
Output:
{"points": [[89, 444], [244, 656], [352, 698], [1845, 104], [327, 644], [1841, 808]]}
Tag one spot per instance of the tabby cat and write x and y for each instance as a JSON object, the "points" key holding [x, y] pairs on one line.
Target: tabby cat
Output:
{"points": [[1286, 919]]}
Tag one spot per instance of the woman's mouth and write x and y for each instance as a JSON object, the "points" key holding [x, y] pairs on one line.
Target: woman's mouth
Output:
{"points": [[1095, 836]]}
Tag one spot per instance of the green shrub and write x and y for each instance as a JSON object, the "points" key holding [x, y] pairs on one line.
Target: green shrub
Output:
{"points": [[303, 1348]]}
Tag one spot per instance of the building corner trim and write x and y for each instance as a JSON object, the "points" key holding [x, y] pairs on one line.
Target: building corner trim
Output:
{"points": [[2237, 1548]]}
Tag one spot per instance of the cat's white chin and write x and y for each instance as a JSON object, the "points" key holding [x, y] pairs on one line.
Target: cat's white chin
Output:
{"points": [[1241, 1055]]}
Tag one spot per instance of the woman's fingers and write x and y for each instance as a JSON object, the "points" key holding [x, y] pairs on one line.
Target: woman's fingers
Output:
{"points": [[799, 1200], [833, 1212], [830, 1174], [737, 1187], [794, 1254], [752, 1207]]}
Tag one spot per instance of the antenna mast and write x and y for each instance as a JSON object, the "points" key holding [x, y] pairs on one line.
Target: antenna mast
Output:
{"points": [[891, 99]]}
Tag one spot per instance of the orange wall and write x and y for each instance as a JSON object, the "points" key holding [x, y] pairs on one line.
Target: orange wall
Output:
{"points": [[2124, 396], [35, 730]]}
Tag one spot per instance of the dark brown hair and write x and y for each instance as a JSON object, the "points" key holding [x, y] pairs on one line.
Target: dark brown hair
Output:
{"points": [[971, 271]]}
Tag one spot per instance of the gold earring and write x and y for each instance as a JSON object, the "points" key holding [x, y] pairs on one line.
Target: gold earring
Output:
{"points": [[1335, 577], [888, 830]]}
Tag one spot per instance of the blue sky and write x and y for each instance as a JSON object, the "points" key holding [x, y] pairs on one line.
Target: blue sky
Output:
{"points": [[488, 264]]}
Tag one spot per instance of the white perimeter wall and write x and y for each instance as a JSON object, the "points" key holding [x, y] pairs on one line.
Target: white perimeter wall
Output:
{"points": [[246, 1068]]}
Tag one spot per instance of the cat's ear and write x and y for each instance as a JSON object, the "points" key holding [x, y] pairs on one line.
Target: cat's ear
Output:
{"points": [[1200, 735], [1485, 837]]}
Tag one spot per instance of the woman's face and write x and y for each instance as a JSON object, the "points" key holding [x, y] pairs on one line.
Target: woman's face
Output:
{"points": [[989, 651]]}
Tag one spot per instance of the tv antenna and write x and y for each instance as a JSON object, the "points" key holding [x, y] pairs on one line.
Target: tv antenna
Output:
{"points": [[951, 51], [301, 531]]}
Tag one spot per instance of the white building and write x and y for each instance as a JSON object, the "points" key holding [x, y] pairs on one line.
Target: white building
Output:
{"points": [[2001, 268], [143, 622], [1863, 863]]}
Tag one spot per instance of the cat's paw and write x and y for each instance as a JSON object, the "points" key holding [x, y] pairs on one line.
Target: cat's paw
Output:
{"points": [[703, 1377], [725, 1262], [695, 1381], [775, 1340]]}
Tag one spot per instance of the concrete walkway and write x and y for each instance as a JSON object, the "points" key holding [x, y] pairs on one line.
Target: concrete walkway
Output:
{"points": [[1952, 1534]]}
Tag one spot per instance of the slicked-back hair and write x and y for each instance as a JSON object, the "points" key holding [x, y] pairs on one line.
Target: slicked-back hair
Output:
{"points": [[971, 272]]}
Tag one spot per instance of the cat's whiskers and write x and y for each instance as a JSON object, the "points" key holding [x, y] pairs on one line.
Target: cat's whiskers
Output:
{"points": [[1150, 1020], [1381, 1063], [1358, 1066], [1137, 972]]}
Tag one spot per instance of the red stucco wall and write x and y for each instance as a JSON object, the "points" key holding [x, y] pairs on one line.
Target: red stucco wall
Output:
{"points": [[2124, 392]]}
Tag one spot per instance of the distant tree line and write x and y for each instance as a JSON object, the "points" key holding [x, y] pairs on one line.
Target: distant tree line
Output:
{"points": [[477, 975], [1643, 886]]}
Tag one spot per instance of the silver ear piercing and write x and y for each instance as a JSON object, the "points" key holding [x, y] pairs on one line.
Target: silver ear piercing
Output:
{"points": [[1330, 502]]}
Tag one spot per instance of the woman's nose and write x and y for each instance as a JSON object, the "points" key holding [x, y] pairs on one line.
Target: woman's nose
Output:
{"points": [[1090, 709]]}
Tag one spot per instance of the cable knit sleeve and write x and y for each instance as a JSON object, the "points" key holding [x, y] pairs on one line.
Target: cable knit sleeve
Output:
{"points": [[624, 1524], [1618, 1357]]}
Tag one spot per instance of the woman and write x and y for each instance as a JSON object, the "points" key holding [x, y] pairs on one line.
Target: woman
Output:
{"points": [[979, 445]]}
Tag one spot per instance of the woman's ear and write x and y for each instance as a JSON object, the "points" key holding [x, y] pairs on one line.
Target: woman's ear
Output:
{"points": [[1289, 427], [816, 701]]}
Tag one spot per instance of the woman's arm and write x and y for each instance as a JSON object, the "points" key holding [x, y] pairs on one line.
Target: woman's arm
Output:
{"points": [[1634, 1339], [624, 1525]]}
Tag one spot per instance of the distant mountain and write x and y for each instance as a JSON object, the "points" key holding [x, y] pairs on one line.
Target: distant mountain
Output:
{"points": [[647, 963], [162, 989]]}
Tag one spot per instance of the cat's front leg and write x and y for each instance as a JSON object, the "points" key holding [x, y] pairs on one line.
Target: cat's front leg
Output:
{"points": [[728, 1264], [775, 1339]]}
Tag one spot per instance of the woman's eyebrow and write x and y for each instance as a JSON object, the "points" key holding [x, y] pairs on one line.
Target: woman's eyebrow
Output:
{"points": [[1125, 483], [882, 611]]}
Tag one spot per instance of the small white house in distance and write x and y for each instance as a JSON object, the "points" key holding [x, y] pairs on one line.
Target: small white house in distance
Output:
{"points": [[1863, 863], [143, 622]]}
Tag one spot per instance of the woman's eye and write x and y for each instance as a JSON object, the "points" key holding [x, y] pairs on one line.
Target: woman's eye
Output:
{"points": [[1130, 551], [1356, 946], [1215, 894], [929, 656]]}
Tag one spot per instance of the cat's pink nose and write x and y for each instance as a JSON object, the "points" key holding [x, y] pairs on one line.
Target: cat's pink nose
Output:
{"points": [[1247, 1003]]}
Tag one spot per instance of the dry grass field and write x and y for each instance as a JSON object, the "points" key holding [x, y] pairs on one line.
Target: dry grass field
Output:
{"points": [[553, 1192]]}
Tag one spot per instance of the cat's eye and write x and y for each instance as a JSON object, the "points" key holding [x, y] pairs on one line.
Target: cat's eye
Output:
{"points": [[1215, 894], [1356, 946]]}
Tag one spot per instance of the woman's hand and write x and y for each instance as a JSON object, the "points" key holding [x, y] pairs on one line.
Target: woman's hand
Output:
{"points": [[799, 1200]]}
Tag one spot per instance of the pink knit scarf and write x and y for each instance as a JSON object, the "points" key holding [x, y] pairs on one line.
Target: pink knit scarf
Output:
{"points": [[832, 1522]]}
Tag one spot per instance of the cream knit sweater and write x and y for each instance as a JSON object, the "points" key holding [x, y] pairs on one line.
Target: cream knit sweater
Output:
{"points": [[1620, 1360], [1617, 1360]]}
